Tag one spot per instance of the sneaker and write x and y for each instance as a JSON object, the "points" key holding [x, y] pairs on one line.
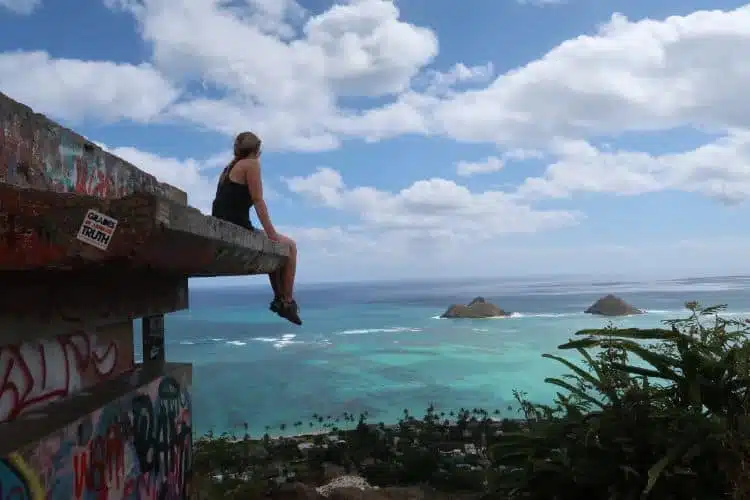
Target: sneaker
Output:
{"points": [[276, 305], [290, 312]]}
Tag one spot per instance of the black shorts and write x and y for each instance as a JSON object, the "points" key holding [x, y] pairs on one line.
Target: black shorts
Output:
{"points": [[244, 224], [238, 221]]}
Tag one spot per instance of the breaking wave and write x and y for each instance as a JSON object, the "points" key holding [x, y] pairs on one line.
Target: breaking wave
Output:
{"points": [[366, 331]]}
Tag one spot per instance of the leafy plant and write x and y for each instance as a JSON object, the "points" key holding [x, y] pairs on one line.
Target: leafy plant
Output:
{"points": [[650, 413]]}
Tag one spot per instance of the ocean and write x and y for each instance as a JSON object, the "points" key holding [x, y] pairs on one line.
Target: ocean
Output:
{"points": [[381, 347]]}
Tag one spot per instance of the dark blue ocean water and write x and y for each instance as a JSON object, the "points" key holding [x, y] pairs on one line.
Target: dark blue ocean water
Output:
{"points": [[379, 347]]}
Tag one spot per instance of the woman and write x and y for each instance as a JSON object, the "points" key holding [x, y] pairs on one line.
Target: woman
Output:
{"points": [[240, 188]]}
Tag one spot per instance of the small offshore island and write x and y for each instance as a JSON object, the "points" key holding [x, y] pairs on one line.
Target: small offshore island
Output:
{"points": [[611, 305], [476, 309], [479, 308]]}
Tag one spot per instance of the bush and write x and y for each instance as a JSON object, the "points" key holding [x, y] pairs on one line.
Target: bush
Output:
{"points": [[382, 474], [671, 425]]}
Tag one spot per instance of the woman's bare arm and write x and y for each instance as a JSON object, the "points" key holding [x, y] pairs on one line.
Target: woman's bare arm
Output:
{"points": [[255, 185]]}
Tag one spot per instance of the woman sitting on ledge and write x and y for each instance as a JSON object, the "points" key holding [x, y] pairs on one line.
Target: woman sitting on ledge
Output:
{"points": [[240, 188]]}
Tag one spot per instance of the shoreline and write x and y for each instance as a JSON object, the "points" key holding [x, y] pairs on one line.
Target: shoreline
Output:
{"points": [[234, 438]]}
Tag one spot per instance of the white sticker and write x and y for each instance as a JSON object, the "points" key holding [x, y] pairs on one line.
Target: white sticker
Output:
{"points": [[97, 229]]}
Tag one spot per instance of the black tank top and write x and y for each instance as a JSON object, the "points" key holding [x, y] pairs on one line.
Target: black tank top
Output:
{"points": [[232, 202]]}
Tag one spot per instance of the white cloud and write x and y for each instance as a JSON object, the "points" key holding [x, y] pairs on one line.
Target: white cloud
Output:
{"points": [[541, 3], [75, 89], [720, 170], [338, 254], [284, 71], [444, 82], [430, 209], [22, 7], [268, 64], [487, 166], [288, 89], [628, 76], [493, 164]]}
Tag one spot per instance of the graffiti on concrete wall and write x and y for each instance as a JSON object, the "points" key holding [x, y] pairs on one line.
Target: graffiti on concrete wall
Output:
{"points": [[36, 152], [58, 161], [39, 372], [17, 480], [138, 447]]}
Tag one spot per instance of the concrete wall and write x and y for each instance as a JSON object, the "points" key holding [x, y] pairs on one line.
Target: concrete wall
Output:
{"points": [[36, 373], [137, 446], [77, 419], [37, 152]]}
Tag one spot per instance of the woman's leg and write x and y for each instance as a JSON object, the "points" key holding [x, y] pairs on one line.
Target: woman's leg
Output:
{"points": [[275, 279], [289, 269], [282, 282]]}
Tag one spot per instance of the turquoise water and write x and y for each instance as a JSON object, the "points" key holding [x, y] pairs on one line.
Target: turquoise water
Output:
{"points": [[381, 348]]}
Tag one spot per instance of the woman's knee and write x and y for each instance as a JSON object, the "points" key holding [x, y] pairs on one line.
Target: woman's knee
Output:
{"points": [[290, 243]]}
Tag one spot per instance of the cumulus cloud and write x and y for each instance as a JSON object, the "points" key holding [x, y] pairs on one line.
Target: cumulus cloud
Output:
{"points": [[443, 82], [75, 89], [627, 76], [430, 209], [289, 81], [486, 166], [719, 169], [541, 3], [288, 88], [22, 7]]}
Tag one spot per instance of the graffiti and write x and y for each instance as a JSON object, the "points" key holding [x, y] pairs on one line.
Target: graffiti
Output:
{"points": [[136, 448], [101, 464], [72, 167], [56, 160], [18, 241], [36, 373], [36, 152], [17, 480], [139, 448], [161, 439]]}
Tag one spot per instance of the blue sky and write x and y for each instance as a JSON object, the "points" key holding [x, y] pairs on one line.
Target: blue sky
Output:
{"points": [[606, 137]]}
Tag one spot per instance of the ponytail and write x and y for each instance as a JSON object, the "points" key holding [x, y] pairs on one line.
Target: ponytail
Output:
{"points": [[225, 173], [246, 145]]}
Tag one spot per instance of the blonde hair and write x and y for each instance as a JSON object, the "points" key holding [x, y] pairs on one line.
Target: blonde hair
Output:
{"points": [[246, 145]]}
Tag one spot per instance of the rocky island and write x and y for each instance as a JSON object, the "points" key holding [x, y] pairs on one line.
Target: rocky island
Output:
{"points": [[476, 309], [611, 305]]}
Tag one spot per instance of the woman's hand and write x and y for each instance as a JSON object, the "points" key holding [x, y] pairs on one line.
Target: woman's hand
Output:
{"points": [[273, 235]]}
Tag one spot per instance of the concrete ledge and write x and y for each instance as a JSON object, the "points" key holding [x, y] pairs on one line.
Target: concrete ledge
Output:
{"points": [[47, 303], [236, 250], [43, 230], [39, 153]]}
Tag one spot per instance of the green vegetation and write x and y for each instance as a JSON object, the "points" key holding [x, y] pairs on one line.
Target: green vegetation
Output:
{"points": [[647, 414]]}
